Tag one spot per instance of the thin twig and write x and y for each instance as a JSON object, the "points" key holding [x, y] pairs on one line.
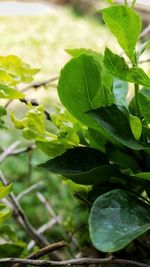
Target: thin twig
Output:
{"points": [[144, 61], [145, 31], [43, 229], [46, 204], [34, 85], [46, 250], [8, 151], [35, 103], [68, 263], [29, 190], [22, 219]]}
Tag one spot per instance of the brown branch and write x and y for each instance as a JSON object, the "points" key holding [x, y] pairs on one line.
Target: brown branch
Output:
{"points": [[46, 250], [144, 61], [22, 219], [29, 190], [35, 103], [68, 263], [8, 151], [34, 85], [145, 31]]}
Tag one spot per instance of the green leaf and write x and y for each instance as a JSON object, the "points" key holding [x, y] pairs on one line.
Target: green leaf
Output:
{"points": [[105, 76], [9, 92], [5, 190], [121, 158], [82, 165], [33, 124], [96, 140], [119, 69], [15, 70], [136, 126], [52, 149], [5, 212], [115, 122], [81, 81], [143, 175], [121, 21], [144, 103], [11, 250], [120, 89], [116, 219]]}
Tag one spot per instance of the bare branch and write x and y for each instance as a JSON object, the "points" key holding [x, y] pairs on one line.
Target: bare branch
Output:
{"points": [[43, 229], [22, 219], [46, 204], [8, 151], [72, 262], [46, 250], [29, 190], [144, 61], [35, 85], [145, 31]]}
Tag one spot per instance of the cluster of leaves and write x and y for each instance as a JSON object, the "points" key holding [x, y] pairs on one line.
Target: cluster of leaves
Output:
{"points": [[113, 152]]}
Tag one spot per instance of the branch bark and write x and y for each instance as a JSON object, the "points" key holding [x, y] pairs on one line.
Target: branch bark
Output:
{"points": [[71, 262]]}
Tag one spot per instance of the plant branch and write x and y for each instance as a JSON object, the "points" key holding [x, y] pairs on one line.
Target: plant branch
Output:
{"points": [[46, 250], [72, 262], [144, 61], [22, 219], [29, 190], [34, 85], [145, 31], [133, 3], [35, 103], [8, 151]]}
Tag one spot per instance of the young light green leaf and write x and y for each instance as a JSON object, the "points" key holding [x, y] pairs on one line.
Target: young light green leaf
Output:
{"points": [[5, 212], [53, 148], [16, 70], [33, 124], [116, 123], [144, 103], [116, 219], [143, 175], [136, 126], [10, 92], [5, 190], [119, 69], [121, 21]]}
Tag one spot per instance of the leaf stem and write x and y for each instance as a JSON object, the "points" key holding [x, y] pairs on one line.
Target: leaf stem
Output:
{"points": [[136, 91], [126, 2]]}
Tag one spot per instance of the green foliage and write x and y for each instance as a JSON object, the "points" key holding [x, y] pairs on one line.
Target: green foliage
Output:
{"points": [[115, 157], [117, 218], [100, 139], [121, 20]]}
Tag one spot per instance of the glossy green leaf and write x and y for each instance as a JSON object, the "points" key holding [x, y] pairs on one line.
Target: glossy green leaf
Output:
{"points": [[136, 126], [119, 69], [96, 140], [81, 81], [10, 92], [144, 103], [115, 122], [82, 165], [120, 89], [116, 219], [5, 190], [121, 21]]}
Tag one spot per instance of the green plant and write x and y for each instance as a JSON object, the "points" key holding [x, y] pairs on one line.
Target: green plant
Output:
{"points": [[112, 154], [98, 140]]}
